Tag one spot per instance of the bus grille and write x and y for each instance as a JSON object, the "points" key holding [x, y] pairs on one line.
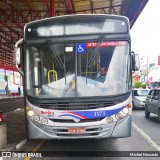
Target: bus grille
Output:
{"points": [[72, 121], [77, 105]]}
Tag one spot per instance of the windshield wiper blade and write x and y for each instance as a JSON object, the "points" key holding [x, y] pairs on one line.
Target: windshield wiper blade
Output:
{"points": [[57, 57], [54, 51], [95, 52]]}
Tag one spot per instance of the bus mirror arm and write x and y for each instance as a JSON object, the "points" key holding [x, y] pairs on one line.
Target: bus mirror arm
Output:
{"points": [[17, 56], [19, 70]]}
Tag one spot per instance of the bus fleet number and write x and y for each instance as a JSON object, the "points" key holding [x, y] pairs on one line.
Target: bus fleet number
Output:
{"points": [[99, 113]]}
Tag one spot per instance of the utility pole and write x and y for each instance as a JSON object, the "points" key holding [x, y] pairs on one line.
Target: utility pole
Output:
{"points": [[147, 70]]}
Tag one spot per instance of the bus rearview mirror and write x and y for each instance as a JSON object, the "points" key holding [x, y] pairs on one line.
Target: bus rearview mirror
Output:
{"points": [[18, 56], [135, 62]]}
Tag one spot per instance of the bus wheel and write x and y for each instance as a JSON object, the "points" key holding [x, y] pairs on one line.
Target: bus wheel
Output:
{"points": [[159, 115], [146, 112]]}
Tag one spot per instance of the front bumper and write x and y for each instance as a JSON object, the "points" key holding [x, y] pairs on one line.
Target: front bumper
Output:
{"points": [[139, 104]]}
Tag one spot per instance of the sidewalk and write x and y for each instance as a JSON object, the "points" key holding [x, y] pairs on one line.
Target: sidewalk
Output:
{"points": [[16, 132], [3, 96]]}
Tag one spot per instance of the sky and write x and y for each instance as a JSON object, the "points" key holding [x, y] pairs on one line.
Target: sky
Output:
{"points": [[145, 33]]}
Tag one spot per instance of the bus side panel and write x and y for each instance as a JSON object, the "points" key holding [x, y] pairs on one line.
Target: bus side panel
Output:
{"points": [[34, 131]]}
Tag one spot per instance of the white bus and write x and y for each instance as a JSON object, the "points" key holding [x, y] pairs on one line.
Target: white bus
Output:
{"points": [[65, 96]]}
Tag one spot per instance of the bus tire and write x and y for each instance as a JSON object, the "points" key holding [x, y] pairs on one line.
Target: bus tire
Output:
{"points": [[146, 112]]}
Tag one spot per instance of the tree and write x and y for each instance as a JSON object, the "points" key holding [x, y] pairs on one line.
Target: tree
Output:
{"points": [[144, 86], [137, 84]]}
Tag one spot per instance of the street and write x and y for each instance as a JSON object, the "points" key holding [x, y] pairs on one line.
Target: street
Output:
{"points": [[145, 137]]}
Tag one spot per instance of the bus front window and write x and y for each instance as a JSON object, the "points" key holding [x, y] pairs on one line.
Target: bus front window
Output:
{"points": [[63, 70]]}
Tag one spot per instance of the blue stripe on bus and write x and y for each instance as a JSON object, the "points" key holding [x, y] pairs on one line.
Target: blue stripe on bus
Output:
{"points": [[92, 114]]}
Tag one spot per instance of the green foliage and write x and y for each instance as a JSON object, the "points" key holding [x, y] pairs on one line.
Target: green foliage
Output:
{"points": [[137, 85], [144, 86]]}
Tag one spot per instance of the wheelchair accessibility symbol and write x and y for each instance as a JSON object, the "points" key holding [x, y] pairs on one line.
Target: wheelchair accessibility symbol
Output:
{"points": [[80, 48]]}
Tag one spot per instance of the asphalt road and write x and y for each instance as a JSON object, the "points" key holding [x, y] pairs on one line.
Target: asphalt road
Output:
{"points": [[150, 126], [145, 137]]}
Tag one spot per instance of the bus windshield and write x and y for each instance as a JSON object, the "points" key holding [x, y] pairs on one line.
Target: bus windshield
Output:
{"points": [[140, 92], [78, 69]]}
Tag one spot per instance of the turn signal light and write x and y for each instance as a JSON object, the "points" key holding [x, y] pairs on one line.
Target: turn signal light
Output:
{"points": [[129, 105], [27, 108]]}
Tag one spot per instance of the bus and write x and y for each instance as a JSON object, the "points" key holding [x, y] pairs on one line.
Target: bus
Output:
{"points": [[60, 59]]}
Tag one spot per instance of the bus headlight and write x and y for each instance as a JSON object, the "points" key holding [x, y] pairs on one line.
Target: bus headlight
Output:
{"points": [[109, 119], [125, 110], [36, 118], [118, 116], [44, 121], [30, 113]]}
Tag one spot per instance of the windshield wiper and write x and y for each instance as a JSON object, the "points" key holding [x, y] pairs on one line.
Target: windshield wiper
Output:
{"points": [[95, 52], [57, 57], [54, 51]]}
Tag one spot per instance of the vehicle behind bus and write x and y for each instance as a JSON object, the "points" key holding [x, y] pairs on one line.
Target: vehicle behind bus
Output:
{"points": [[155, 84]]}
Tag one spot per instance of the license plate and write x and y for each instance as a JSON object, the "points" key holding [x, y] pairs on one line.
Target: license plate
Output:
{"points": [[76, 130]]}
